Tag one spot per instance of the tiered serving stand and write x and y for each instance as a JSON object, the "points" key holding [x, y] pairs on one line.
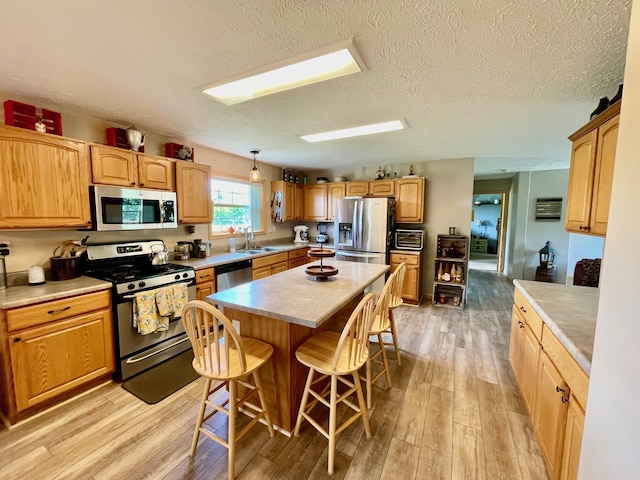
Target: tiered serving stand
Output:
{"points": [[321, 272]]}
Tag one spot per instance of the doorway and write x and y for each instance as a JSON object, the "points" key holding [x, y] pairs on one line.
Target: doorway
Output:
{"points": [[488, 227]]}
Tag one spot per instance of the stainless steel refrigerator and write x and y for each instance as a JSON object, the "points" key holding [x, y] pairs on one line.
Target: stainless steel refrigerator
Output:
{"points": [[363, 229]]}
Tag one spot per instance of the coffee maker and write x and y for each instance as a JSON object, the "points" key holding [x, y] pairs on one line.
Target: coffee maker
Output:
{"points": [[302, 234]]}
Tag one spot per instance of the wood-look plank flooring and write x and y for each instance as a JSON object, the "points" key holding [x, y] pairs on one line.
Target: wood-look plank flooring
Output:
{"points": [[454, 411]]}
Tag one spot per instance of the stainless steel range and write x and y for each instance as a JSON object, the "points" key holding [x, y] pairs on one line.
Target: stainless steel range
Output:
{"points": [[128, 266]]}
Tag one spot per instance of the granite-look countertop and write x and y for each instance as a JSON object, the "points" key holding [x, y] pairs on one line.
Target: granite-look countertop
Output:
{"points": [[295, 297], [569, 311], [217, 259], [21, 295]]}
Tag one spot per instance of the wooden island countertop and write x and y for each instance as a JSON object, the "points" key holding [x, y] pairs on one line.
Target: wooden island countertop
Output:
{"points": [[284, 310]]}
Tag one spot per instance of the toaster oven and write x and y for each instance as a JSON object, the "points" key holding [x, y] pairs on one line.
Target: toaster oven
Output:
{"points": [[409, 239]]}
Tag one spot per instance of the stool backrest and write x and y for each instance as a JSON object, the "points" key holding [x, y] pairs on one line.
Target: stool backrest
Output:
{"points": [[398, 283], [216, 343], [384, 299], [354, 339]]}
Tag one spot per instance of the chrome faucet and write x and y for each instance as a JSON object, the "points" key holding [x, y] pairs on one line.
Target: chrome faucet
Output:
{"points": [[248, 236]]}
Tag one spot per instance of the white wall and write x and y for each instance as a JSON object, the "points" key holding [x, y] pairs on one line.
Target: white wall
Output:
{"points": [[36, 247], [530, 235], [611, 441]]}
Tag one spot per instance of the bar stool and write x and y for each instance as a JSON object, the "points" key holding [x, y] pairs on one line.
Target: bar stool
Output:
{"points": [[379, 325], [221, 354], [396, 301], [338, 356]]}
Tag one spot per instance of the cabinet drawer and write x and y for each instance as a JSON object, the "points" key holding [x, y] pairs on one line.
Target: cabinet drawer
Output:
{"points": [[59, 309], [403, 257], [270, 260], [572, 373], [300, 253], [297, 262], [204, 275], [528, 313]]}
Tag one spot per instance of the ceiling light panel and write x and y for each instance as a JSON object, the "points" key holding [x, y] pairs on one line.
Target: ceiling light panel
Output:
{"points": [[330, 62], [355, 131]]}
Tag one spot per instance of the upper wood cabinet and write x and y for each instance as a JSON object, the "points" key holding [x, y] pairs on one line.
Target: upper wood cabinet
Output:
{"points": [[315, 202], [298, 205], [115, 166], [409, 193], [335, 191], [193, 191], [590, 179], [45, 180], [374, 188], [284, 201]]}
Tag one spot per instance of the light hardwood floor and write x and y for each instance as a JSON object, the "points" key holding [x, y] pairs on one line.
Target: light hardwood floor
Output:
{"points": [[454, 412]]}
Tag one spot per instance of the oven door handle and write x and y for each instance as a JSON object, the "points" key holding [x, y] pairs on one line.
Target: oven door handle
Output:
{"points": [[132, 297], [137, 359]]}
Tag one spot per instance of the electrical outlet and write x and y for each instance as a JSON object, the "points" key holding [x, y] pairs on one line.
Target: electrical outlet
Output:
{"points": [[4, 248], [5, 243]]}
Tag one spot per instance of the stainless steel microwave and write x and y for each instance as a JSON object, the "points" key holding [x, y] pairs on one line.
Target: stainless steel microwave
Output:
{"points": [[409, 239], [116, 208]]}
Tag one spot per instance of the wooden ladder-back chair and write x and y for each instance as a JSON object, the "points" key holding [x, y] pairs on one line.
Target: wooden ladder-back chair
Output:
{"points": [[379, 325], [396, 301], [222, 355], [338, 356]]}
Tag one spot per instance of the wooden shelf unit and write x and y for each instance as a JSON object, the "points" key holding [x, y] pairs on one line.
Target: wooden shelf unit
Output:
{"points": [[452, 251]]}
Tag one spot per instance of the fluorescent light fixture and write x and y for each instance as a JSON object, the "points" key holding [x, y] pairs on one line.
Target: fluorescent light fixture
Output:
{"points": [[355, 131], [330, 62]]}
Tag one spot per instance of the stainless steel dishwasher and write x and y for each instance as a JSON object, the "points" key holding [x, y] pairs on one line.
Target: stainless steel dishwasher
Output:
{"points": [[232, 274]]}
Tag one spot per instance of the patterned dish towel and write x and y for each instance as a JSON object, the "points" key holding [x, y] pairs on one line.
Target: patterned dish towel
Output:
{"points": [[146, 314], [153, 309]]}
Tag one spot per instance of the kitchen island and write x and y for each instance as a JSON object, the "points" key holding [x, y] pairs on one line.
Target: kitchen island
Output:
{"points": [[284, 310]]}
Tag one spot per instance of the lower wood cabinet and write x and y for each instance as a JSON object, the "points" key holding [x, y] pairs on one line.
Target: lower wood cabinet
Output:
{"points": [[53, 348], [412, 288], [298, 257], [205, 283], [269, 265], [554, 388]]}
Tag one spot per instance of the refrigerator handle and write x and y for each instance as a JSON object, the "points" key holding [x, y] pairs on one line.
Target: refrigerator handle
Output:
{"points": [[361, 224], [354, 229]]}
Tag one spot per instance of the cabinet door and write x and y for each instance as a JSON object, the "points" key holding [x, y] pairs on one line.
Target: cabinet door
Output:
{"points": [[204, 289], [289, 201], [551, 413], [113, 166], [410, 287], [155, 172], [193, 192], [572, 441], [529, 369], [44, 179], [335, 191], [357, 189], [262, 272], [410, 200], [580, 191], [299, 202], [279, 267], [315, 202], [382, 188], [605, 160], [516, 344], [52, 359], [297, 262]]}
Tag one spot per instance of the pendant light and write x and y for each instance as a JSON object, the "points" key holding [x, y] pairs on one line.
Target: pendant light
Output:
{"points": [[254, 174]]}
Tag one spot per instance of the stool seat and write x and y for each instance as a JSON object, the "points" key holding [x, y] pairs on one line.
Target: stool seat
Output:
{"points": [[257, 353], [318, 353]]}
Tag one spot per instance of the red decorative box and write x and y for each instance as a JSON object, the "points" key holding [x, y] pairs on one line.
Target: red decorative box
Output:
{"points": [[172, 149], [117, 137], [23, 115]]}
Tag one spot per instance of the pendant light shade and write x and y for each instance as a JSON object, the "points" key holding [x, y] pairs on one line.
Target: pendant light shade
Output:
{"points": [[254, 174]]}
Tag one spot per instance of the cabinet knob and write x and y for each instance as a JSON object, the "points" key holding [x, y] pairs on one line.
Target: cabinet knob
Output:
{"points": [[559, 390], [142, 184], [17, 339], [521, 325], [133, 183], [523, 309]]}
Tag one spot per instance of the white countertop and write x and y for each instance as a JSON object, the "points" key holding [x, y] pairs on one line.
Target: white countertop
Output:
{"points": [[21, 295], [295, 297], [569, 311]]}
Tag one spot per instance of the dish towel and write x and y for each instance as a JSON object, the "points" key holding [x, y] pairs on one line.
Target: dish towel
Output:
{"points": [[180, 298], [146, 315]]}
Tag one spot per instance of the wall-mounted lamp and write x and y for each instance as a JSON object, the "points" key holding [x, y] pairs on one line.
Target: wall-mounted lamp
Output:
{"points": [[254, 174]]}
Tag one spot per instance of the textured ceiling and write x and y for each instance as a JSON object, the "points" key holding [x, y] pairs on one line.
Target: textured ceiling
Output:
{"points": [[502, 81]]}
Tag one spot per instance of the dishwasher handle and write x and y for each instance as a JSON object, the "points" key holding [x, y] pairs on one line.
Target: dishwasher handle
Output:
{"points": [[232, 267]]}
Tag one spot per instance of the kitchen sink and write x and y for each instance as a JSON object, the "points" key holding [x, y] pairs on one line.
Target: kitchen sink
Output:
{"points": [[257, 250]]}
